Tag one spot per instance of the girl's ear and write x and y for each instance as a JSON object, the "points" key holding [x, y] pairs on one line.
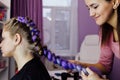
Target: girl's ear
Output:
{"points": [[116, 4], [17, 39]]}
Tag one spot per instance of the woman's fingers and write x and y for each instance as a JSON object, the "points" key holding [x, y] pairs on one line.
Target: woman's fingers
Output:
{"points": [[84, 77], [90, 71], [91, 76]]}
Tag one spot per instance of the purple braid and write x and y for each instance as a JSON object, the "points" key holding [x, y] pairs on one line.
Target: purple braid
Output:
{"points": [[33, 30], [47, 53], [22, 19]]}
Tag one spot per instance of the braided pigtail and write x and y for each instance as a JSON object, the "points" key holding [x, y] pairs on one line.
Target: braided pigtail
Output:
{"points": [[38, 49], [33, 34], [36, 40]]}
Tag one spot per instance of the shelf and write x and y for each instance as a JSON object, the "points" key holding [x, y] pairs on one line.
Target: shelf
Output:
{"points": [[3, 12], [3, 64], [2, 22], [2, 5], [1, 69]]}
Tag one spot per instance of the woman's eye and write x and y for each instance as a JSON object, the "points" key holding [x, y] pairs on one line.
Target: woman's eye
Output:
{"points": [[95, 6]]}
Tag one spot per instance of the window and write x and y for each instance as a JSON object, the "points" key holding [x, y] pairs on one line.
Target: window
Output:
{"points": [[60, 26]]}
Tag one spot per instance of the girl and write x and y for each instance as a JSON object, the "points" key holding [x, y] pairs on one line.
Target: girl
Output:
{"points": [[20, 40]]}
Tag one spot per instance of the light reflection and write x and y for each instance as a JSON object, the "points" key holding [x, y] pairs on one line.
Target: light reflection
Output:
{"points": [[63, 3]]}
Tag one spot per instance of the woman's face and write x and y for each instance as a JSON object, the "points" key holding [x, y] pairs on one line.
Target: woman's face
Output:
{"points": [[100, 10], [7, 44]]}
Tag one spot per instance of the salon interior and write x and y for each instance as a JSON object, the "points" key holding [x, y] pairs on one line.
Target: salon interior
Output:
{"points": [[65, 27]]}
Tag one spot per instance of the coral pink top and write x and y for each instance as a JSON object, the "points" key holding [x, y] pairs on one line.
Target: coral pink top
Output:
{"points": [[107, 53]]}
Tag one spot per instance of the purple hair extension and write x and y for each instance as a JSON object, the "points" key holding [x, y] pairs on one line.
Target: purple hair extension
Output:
{"points": [[51, 56]]}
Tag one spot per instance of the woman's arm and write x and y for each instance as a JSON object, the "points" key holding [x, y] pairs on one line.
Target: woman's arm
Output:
{"points": [[96, 65]]}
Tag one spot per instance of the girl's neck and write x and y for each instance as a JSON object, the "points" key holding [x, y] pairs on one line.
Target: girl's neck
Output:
{"points": [[22, 60]]}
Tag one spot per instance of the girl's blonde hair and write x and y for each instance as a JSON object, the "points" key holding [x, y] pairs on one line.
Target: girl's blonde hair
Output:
{"points": [[27, 29]]}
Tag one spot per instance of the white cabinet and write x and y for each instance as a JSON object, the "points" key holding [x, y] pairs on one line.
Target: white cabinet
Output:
{"points": [[4, 15]]}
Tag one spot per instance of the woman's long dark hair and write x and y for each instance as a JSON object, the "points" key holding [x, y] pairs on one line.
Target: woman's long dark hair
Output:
{"points": [[118, 23], [108, 29]]}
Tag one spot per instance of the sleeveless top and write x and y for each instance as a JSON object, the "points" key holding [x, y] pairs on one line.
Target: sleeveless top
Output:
{"points": [[107, 53]]}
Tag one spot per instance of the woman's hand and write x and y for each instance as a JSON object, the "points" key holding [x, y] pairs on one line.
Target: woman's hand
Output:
{"points": [[91, 76]]}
